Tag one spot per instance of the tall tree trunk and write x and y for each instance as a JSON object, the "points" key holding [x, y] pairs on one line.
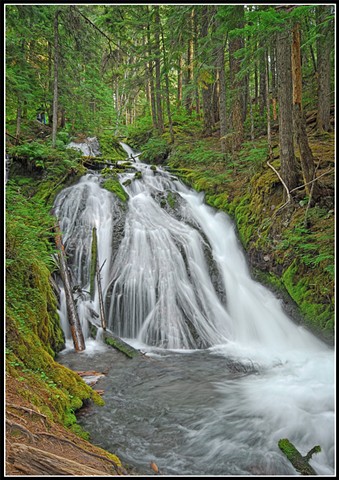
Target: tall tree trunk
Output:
{"points": [[222, 99], [273, 77], [168, 103], [158, 94], [195, 50], [262, 76], [256, 83], [151, 79], [179, 97], [235, 44], [268, 109], [289, 166], [324, 44], [207, 87], [56, 74], [306, 156], [190, 57]]}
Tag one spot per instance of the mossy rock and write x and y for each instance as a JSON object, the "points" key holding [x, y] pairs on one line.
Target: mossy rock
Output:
{"points": [[113, 185]]}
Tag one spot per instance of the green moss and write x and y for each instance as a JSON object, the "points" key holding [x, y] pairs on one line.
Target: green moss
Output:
{"points": [[171, 199], [122, 347], [299, 462], [113, 185]]}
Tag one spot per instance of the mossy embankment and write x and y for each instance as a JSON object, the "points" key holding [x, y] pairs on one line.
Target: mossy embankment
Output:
{"points": [[34, 380], [290, 247]]}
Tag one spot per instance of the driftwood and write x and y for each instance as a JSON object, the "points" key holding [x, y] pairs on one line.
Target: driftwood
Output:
{"points": [[33, 461], [299, 462], [72, 313]]}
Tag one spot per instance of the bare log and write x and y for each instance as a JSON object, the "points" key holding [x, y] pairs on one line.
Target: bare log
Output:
{"points": [[95, 273], [33, 461], [299, 462], [72, 313]]}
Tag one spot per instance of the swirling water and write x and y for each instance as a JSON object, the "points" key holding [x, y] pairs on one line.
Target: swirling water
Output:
{"points": [[226, 372]]}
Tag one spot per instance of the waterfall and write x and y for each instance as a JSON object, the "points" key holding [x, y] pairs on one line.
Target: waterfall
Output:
{"points": [[156, 281], [89, 147], [176, 284]]}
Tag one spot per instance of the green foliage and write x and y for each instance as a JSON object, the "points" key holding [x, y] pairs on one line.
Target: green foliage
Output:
{"points": [[155, 150], [140, 132]]}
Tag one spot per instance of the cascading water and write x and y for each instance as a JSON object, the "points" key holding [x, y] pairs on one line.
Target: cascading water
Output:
{"points": [[231, 373]]}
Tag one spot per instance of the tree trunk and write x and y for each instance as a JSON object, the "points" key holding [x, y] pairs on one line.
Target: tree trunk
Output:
{"points": [[207, 91], [73, 319], [324, 44], [56, 74], [168, 102], [190, 56], [235, 44], [158, 95], [262, 77], [179, 98], [273, 77], [222, 100], [289, 167], [151, 79], [306, 156], [268, 110]]}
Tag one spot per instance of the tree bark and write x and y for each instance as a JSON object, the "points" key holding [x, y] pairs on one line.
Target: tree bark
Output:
{"points": [[222, 99], [190, 56], [151, 79], [262, 77], [268, 109], [324, 44], [289, 167], [73, 318], [306, 156], [158, 95], [207, 90], [168, 102], [235, 44], [35, 462], [179, 97], [56, 75]]}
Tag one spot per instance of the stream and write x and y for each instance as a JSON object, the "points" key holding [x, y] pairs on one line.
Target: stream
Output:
{"points": [[225, 374]]}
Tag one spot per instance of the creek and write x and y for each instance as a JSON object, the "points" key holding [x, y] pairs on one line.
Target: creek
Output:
{"points": [[226, 372]]}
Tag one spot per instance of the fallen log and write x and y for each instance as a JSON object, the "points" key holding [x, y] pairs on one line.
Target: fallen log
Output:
{"points": [[33, 461], [299, 462], [72, 313], [114, 341]]}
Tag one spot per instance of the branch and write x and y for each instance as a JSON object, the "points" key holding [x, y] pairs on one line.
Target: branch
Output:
{"points": [[98, 29], [285, 186], [314, 179]]}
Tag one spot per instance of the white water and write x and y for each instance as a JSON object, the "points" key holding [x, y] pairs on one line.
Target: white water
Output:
{"points": [[159, 294]]}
